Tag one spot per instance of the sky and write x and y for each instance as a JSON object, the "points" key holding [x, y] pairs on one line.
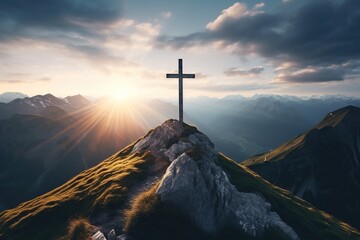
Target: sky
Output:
{"points": [[124, 48]]}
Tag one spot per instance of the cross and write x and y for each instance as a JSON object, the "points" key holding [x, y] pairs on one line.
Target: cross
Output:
{"points": [[180, 76]]}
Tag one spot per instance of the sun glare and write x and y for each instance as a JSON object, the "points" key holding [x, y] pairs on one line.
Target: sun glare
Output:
{"points": [[123, 94]]}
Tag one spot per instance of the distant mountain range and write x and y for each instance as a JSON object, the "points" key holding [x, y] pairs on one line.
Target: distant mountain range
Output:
{"points": [[58, 138], [242, 127], [10, 96], [170, 184], [321, 165], [36, 104], [45, 147]]}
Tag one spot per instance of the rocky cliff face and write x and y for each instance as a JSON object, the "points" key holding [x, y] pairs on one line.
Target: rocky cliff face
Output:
{"points": [[321, 166], [195, 184]]}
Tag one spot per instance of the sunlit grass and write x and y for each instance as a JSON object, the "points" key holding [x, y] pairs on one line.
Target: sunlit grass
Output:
{"points": [[144, 204], [78, 229], [277, 154], [97, 189], [103, 127]]}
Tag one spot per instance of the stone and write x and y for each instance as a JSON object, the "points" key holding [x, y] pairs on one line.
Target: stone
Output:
{"points": [[111, 235], [171, 139], [98, 236], [201, 189]]}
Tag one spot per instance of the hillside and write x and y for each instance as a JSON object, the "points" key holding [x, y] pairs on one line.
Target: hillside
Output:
{"points": [[206, 194], [39, 153], [320, 165]]}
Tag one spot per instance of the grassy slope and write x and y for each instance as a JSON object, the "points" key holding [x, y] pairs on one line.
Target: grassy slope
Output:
{"points": [[307, 221], [278, 154], [101, 187]]}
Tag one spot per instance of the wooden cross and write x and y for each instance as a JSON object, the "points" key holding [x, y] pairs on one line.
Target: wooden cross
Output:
{"points": [[180, 76]]}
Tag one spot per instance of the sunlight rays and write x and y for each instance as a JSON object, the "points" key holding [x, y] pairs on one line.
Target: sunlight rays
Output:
{"points": [[110, 123]]}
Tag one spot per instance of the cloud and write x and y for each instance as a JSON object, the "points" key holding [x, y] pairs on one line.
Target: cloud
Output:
{"points": [[166, 15], [235, 87], [82, 27], [91, 31], [315, 35], [13, 81], [259, 5], [45, 79], [16, 78], [233, 13], [312, 75], [254, 71], [200, 75], [24, 19]]}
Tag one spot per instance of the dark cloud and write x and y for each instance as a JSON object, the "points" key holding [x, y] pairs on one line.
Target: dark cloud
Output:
{"points": [[244, 72], [314, 75], [318, 34], [75, 24], [17, 16]]}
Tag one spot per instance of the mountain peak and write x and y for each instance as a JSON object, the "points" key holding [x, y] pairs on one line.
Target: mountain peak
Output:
{"points": [[171, 139], [345, 114], [320, 165], [199, 187], [196, 185]]}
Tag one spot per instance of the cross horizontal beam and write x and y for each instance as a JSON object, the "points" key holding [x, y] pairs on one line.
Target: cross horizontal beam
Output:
{"points": [[170, 75]]}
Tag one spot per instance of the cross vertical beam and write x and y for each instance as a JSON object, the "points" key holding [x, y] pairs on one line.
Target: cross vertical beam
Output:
{"points": [[180, 76], [181, 118]]}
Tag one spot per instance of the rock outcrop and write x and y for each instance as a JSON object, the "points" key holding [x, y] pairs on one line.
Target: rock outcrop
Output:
{"points": [[199, 187]]}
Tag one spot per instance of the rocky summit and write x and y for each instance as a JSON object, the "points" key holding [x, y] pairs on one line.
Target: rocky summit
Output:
{"points": [[195, 184], [170, 184]]}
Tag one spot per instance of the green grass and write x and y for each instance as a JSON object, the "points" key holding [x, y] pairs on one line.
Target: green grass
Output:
{"points": [[100, 188], [305, 219]]}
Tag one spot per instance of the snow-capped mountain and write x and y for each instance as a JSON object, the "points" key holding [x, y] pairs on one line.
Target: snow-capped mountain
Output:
{"points": [[36, 104]]}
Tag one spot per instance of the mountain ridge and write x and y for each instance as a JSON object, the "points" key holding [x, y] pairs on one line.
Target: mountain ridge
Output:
{"points": [[107, 188], [320, 165], [36, 104]]}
